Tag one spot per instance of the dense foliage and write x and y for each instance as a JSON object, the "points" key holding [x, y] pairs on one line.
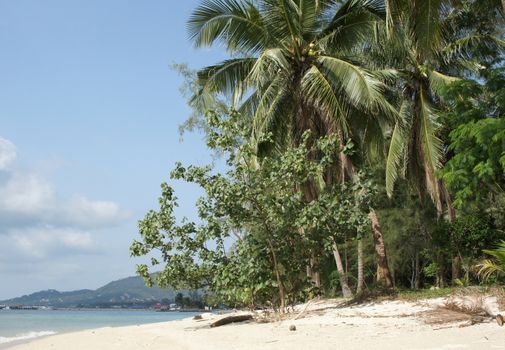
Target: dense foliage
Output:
{"points": [[477, 138], [354, 126]]}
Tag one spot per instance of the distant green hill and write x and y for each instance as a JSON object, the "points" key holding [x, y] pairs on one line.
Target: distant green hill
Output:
{"points": [[123, 292]]}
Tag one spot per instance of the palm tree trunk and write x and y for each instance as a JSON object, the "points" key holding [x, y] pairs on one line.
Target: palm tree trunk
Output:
{"points": [[383, 271], [346, 291], [361, 267]]}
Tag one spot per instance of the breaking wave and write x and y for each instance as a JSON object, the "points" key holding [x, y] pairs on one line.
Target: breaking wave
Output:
{"points": [[25, 336]]}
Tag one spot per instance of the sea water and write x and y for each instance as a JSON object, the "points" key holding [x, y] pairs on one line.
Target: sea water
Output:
{"points": [[19, 325]]}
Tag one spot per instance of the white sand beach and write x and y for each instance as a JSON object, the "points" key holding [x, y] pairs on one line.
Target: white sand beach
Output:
{"points": [[320, 325]]}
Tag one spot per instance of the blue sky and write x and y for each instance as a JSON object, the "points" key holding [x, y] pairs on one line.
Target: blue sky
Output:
{"points": [[89, 116]]}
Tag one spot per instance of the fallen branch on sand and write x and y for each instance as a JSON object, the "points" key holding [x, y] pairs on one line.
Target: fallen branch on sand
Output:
{"points": [[231, 319], [304, 309]]}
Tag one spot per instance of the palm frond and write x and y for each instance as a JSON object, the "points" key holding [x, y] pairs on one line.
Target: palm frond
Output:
{"points": [[283, 20], [353, 23], [439, 81], [310, 12], [249, 105], [488, 267], [318, 90], [238, 24], [467, 46], [397, 148], [361, 87], [269, 106], [431, 148], [498, 253], [426, 22], [431, 143], [227, 76], [268, 64]]}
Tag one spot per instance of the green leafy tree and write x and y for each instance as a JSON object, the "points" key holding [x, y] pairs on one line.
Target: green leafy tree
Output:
{"points": [[476, 168], [465, 238], [179, 299], [260, 209]]}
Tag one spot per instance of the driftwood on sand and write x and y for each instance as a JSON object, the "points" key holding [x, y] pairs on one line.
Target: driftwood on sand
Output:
{"points": [[231, 319], [500, 320]]}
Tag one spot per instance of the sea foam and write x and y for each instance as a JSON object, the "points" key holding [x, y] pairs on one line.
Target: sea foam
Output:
{"points": [[25, 336]]}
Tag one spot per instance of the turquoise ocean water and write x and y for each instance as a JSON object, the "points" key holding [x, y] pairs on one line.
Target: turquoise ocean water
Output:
{"points": [[20, 325]]}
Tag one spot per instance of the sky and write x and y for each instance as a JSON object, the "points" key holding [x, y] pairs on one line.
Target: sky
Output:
{"points": [[89, 116]]}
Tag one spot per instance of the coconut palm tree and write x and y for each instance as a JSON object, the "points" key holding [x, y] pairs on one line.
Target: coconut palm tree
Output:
{"points": [[425, 41], [415, 47], [295, 67], [412, 48]]}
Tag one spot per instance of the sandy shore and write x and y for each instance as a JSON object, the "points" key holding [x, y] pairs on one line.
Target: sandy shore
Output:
{"points": [[320, 325]]}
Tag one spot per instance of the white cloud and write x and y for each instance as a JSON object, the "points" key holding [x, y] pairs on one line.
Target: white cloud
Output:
{"points": [[40, 242], [26, 194], [27, 199], [7, 153], [89, 213], [38, 224]]}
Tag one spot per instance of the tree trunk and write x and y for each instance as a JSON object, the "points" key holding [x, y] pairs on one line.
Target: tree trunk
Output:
{"points": [[383, 272], [417, 283], [503, 5], [278, 277], [451, 212], [440, 274], [346, 291], [316, 276], [451, 216], [413, 275], [310, 193], [361, 267], [313, 274], [440, 279], [456, 268], [346, 256]]}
